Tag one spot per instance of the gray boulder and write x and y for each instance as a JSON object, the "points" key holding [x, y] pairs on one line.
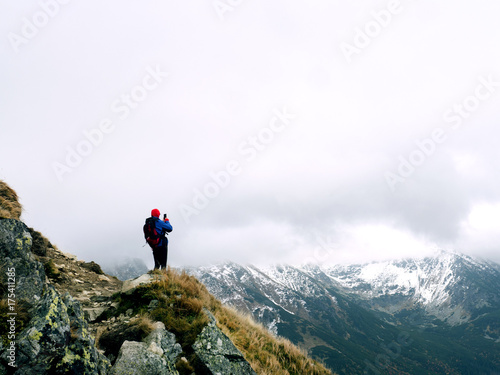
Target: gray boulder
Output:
{"points": [[157, 355], [55, 339], [92, 313], [129, 285], [15, 252], [218, 353]]}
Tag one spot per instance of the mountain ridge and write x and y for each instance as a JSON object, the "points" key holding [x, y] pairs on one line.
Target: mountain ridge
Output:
{"points": [[446, 285], [433, 298]]}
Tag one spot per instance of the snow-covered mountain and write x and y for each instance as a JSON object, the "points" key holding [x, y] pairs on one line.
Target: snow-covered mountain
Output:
{"points": [[451, 287], [343, 314], [266, 293]]}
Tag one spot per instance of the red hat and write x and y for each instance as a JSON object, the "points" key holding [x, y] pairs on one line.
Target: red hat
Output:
{"points": [[155, 212]]}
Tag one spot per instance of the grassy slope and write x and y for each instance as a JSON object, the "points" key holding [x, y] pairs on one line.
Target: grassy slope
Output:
{"points": [[181, 299]]}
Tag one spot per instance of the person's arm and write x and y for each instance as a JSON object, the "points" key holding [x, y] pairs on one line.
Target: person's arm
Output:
{"points": [[166, 225]]}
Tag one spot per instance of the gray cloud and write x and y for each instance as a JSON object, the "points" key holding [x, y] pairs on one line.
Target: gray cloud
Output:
{"points": [[321, 177]]}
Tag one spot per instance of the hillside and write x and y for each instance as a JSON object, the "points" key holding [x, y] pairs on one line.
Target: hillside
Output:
{"points": [[69, 317]]}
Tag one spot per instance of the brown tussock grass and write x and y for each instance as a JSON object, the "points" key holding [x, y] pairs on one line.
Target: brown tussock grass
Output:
{"points": [[143, 324], [10, 208], [267, 354]]}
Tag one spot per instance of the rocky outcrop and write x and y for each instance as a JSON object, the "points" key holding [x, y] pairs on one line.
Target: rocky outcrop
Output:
{"points": [[15, 252], [218, 353], [55, 339], [129, 285], [157, 355]]}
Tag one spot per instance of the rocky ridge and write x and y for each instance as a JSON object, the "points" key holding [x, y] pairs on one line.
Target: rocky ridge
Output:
{"points": [[59, 315], [64, 299], [52, 335]]}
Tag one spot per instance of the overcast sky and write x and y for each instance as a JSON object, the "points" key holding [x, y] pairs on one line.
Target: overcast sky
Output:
{"points": [[268, 131]]}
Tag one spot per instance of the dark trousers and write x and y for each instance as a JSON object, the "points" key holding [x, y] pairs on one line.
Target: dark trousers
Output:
{"points": [[160, 254]]}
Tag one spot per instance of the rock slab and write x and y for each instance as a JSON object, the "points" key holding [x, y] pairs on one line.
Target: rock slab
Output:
{"points": [[130, 285], [218, 353], [157, 355]]}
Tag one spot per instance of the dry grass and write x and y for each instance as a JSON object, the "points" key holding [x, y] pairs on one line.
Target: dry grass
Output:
{"points": [[266, 353], [51, 270], [40, 244], [144, 324], [10, 208], [182, 298]]}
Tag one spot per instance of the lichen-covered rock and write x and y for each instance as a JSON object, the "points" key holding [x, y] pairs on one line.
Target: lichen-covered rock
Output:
{"points": [[55, 339], [165, 340], [218, 353], [155, 356], [15, 245]]}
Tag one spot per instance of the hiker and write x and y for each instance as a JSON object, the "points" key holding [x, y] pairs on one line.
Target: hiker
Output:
{"points": [[154, 232]]}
